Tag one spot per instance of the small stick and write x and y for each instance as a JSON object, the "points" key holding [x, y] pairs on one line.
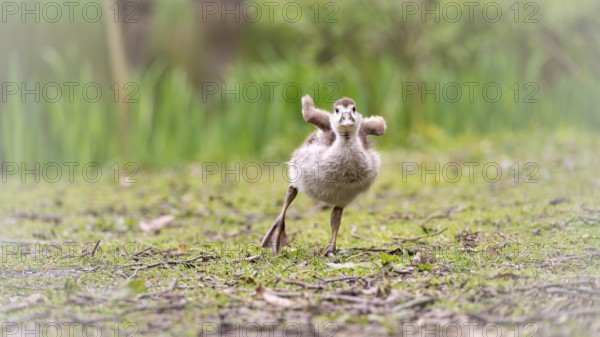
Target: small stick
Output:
{"points": [[304, 285], [95, 248], [417, 238], [413, 303], [442, 214], [172, 285]]}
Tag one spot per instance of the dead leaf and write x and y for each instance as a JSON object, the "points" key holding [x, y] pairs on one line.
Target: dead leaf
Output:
{"points": [[302, 265], [270, 297], [128, 181], [26, 302], [156, 224], [350, 265]]}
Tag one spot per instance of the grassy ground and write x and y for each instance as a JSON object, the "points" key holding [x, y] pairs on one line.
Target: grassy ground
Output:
{"points": [[418, 257]]}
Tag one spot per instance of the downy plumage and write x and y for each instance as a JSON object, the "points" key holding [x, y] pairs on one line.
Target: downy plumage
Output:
{"points": [[334, 165]]}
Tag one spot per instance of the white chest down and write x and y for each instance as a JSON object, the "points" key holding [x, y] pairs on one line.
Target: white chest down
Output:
{"points": [[338, 174]]}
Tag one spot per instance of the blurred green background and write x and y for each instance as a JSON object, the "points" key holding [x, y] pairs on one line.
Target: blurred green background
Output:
{"points": [[211, 80]]}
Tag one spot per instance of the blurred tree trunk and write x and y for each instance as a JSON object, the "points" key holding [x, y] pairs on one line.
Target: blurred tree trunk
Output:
{"points": [[135, 18], [220, 25], [119, 75], [216, 36]]}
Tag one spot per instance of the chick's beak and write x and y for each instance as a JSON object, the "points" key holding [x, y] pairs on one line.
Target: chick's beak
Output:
{"points": [[347, 123]]}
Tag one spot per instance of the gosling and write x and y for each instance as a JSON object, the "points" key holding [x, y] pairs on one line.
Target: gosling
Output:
{"points": [[334, 165]]}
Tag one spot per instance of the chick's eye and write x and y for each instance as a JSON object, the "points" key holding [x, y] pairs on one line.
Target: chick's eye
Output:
{"points": [[353, 109], [337, 110]]}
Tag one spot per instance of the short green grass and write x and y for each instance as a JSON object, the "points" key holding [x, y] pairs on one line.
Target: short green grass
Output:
{"points": [[519, 255]]}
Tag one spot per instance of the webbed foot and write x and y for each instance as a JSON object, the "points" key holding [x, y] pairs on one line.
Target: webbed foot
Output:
{"points": [[330, 250], [276, 239]]}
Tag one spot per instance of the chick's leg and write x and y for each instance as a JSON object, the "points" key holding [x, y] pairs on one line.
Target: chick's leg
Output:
{"points": [[276, 239], [336, 219]]}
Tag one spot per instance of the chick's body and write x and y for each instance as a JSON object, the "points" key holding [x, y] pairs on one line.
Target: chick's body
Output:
{"points": [[334, 165], [333, 172]]}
